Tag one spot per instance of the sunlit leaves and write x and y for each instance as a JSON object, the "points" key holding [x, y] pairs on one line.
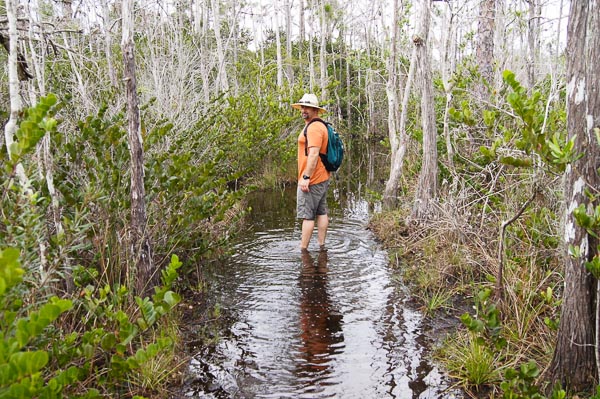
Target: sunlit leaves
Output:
{"points": [[520, 383], [10, 269], [27, 372], [516, 162], [526, 128], [37, 122], [486, 323], [464, 114], [534, 121]]}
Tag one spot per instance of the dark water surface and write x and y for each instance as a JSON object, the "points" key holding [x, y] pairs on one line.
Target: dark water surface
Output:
{"points": [[332, 324]]}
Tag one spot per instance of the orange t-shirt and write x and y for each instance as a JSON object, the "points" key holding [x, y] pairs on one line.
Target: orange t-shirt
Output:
{"points": [[317, 137]]}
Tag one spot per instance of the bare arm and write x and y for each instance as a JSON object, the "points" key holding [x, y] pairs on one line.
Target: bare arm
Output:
{"points": [[311, 164]]}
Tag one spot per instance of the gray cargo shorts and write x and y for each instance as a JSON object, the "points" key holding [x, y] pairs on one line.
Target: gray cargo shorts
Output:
{"points": [[313, 203]]}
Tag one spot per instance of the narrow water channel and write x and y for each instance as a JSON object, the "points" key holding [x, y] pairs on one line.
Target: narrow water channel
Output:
{"points": [[322, 324]]}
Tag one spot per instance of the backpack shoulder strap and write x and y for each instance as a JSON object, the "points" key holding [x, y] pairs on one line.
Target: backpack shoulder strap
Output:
{"points": [[306, 136]]}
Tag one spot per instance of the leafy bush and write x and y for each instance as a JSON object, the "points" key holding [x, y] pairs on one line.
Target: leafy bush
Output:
{"points": [[41, 358], [486, 327], [98, 341]]}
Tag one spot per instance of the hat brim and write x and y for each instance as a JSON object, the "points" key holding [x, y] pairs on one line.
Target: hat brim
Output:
{"points": [[300, 105]]}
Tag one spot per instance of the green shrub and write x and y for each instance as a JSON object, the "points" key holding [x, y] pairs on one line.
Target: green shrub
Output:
{"points": [[40, 357]]}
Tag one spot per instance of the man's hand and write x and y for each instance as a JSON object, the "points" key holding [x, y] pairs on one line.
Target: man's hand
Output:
{"points": [[311, 164], [303, 184]]}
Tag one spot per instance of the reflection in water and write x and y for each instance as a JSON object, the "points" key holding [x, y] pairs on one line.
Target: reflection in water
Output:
{"points": [[321, 326], [314, 324]]}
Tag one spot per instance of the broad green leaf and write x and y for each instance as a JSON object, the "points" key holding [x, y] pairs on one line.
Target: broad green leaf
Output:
{"points": [[28, 363]]}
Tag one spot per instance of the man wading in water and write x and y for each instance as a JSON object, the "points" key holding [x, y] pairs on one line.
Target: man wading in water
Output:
{"points": [[313, 178]]}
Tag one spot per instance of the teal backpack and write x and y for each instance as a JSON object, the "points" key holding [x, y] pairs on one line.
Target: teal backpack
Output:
{"points": [[335, 147]]}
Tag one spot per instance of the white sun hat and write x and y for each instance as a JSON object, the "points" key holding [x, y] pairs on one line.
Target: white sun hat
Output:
{"points": [[309, 100]]}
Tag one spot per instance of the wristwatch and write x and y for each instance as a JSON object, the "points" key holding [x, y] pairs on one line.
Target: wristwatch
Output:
{"points": [[306, 177]]}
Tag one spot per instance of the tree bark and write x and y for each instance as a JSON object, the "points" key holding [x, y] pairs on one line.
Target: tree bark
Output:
{"points": [[13, 80], [370, 91], [233, 36], [323, 53], [197, 16], [38, 62], [302, 29], [390, 194], [13, 87], [392, 82], [145, 275], [448, 67], [557, 47], [278, 49], [348, 88], [222, 79], [288, 43], [428, 176], [533, 40], [68, 9], [311, 60], [485, 44], [105, 26], [573, 363]]}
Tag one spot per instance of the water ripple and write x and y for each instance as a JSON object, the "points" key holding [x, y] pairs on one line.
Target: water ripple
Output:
{"points": [[322, 324]]}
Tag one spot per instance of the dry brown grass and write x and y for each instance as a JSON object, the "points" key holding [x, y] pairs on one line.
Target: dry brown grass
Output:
{"points": [[450, 260]]}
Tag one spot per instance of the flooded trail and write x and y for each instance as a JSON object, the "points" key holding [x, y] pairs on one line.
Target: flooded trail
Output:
{"points": [[319, 324]]}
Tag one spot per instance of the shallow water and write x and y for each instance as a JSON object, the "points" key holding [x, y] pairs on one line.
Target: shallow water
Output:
{"points": [[321, 324]]}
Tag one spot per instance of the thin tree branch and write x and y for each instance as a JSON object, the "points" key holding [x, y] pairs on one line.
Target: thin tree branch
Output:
{"points": [[505, 224]]}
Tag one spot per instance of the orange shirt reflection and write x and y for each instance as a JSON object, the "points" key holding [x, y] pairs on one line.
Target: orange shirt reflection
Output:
{"points": [[321, 326]]}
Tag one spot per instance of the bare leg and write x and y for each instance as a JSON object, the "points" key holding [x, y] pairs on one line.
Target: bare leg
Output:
{"points": [[322, 225], [307, 229]]}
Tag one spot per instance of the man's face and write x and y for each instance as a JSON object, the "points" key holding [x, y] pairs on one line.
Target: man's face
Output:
{"points": [[309, 113]]}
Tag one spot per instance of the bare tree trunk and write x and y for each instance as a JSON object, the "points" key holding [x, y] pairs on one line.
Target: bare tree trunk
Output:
{"points": [[367, 88], [428, 176], [370, 94], [311, 60], [323, 53], [558, 29], [503, 38], [485, 44], [573, 363], [13, 79], [256, 23], [37, 61], [390, 194], [533, 40], [392, 83], [205, 54], [234, 36], [278, 50], [14, 91], [448, 66], [108, 43], [145, 275], [348, 88], [68, 9], [288, 43], [222, 79], [197, 16], [201, 15], [302, 33]]}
